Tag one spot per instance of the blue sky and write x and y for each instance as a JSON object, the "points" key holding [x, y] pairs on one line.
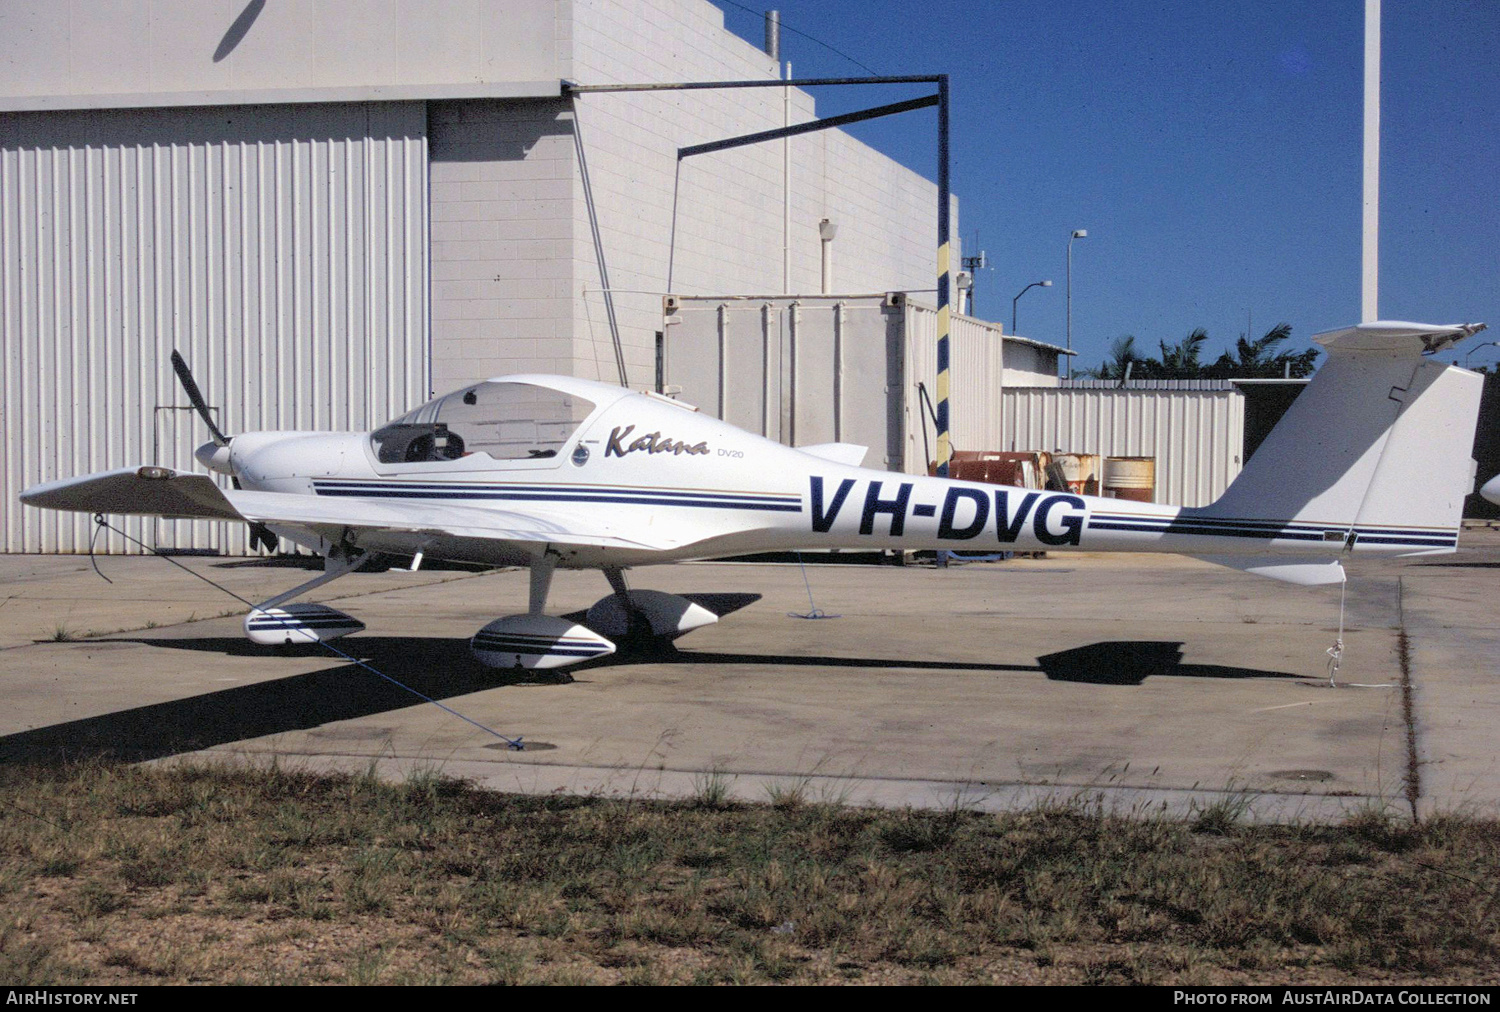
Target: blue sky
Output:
{"points": [[1212, 151]]}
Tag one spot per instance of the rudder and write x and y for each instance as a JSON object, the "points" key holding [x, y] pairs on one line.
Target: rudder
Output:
{"points": [[1378, 445]]}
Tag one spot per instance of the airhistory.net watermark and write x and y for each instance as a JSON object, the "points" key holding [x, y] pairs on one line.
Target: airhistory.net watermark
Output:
{"points": [[40, 997]]}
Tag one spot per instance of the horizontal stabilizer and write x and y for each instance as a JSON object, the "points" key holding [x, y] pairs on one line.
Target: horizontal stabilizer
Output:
{"points": [[1304, 572], [142, 491], [1397, 336], [839, 453]]}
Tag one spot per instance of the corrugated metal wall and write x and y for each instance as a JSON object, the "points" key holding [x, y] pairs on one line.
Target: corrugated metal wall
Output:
{"points": [[1196, 436], [282, 249]]}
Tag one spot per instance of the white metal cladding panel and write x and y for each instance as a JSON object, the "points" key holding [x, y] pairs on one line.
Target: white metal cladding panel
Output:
{"points": [[801, 370], [282, 249], [1196, 436], [976, 375]]}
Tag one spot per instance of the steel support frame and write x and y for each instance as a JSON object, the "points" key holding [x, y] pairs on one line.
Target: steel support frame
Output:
{"points": [[944, 219]]}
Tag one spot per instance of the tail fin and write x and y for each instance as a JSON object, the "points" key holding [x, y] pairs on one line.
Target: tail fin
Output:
{"points": [[1378, 445]]}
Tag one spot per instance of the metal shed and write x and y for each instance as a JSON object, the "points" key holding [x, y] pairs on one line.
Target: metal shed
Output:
{"points": [[1197, 435]]}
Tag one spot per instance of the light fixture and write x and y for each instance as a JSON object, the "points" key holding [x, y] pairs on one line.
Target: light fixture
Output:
{"points": [[1034, 284]]}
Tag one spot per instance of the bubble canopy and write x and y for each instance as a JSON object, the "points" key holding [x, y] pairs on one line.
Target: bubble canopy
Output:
{"points": [[503, 419]]}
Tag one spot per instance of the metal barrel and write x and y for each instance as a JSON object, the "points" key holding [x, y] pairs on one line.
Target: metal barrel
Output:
{"points": [[1080, 471], [1130, 478]]}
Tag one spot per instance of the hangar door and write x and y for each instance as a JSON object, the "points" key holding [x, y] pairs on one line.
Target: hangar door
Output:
{"points": [[282, 249]]}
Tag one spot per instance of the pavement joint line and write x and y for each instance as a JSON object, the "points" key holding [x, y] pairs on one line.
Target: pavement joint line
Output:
{"points": [[1413, 778], [733, 774]]}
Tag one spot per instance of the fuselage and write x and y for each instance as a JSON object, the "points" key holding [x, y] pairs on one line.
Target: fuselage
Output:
{"points": [[640, 464]]}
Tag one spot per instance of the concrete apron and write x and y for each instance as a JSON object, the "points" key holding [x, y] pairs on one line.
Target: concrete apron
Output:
{"points": [[1139, 683]]}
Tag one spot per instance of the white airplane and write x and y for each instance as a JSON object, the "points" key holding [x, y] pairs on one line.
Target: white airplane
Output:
{"points": [[547, 471], [1491, 490]]}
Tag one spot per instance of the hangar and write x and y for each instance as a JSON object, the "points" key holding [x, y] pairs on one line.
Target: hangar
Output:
{"points": [[336, 208]]}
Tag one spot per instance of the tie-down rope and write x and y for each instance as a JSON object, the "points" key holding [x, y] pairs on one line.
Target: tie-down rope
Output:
{"points": [[512, 743]]}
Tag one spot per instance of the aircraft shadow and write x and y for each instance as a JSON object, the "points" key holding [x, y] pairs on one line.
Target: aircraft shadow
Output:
{"points": [[442, 668], [1108, 663], [1458, 565], [439, 668], [666, 653], [1131, 662]]}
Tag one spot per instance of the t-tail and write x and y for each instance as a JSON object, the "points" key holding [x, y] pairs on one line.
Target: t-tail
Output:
{"points": [[1375, 453]]}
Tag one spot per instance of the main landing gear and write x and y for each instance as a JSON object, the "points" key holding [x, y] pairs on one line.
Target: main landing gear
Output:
{"points": [[533, 640], [274, 623], [536, 640]]}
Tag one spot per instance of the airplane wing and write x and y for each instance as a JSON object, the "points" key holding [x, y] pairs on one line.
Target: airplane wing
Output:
{"points": [[329, 517], [143, 491], [163, 492]]}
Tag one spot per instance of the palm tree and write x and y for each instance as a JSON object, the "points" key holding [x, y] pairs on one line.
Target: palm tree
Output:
{"points": [[1260, 359], [1257, 359], [1122, 359], [1180, 360]]}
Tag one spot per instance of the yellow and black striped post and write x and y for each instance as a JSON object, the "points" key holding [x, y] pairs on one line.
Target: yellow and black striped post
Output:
{"points": [[945, 284], [945, 293]]}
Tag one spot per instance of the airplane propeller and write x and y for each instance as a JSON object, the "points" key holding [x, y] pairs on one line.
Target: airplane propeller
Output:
{"points": [[217, 459], [185, 377]]}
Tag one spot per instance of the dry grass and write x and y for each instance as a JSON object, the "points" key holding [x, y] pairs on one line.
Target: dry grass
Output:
{"points": [[119, 874]]}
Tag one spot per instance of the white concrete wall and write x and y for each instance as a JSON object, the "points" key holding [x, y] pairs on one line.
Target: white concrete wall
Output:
{"points": [[516, 254], [1027, 365], [503, 190], [516, 250], [729, 220], [83, 48]]}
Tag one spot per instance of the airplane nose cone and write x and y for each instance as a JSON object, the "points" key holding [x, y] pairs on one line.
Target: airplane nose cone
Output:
{"points": [[1491, 490], [214, 457]]}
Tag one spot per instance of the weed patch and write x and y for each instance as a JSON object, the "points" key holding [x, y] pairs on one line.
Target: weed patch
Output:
{"points": [[347, 879]]}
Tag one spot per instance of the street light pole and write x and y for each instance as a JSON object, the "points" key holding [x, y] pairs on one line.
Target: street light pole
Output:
{"points": [[1078, 233], [1487, 344], [1034, 284]]}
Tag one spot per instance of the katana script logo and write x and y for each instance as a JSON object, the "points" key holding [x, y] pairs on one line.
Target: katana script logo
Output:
{"points": [[651, 443]]}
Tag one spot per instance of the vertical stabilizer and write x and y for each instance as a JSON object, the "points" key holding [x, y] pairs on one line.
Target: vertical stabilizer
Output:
{"points": [[1378, 445]]}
